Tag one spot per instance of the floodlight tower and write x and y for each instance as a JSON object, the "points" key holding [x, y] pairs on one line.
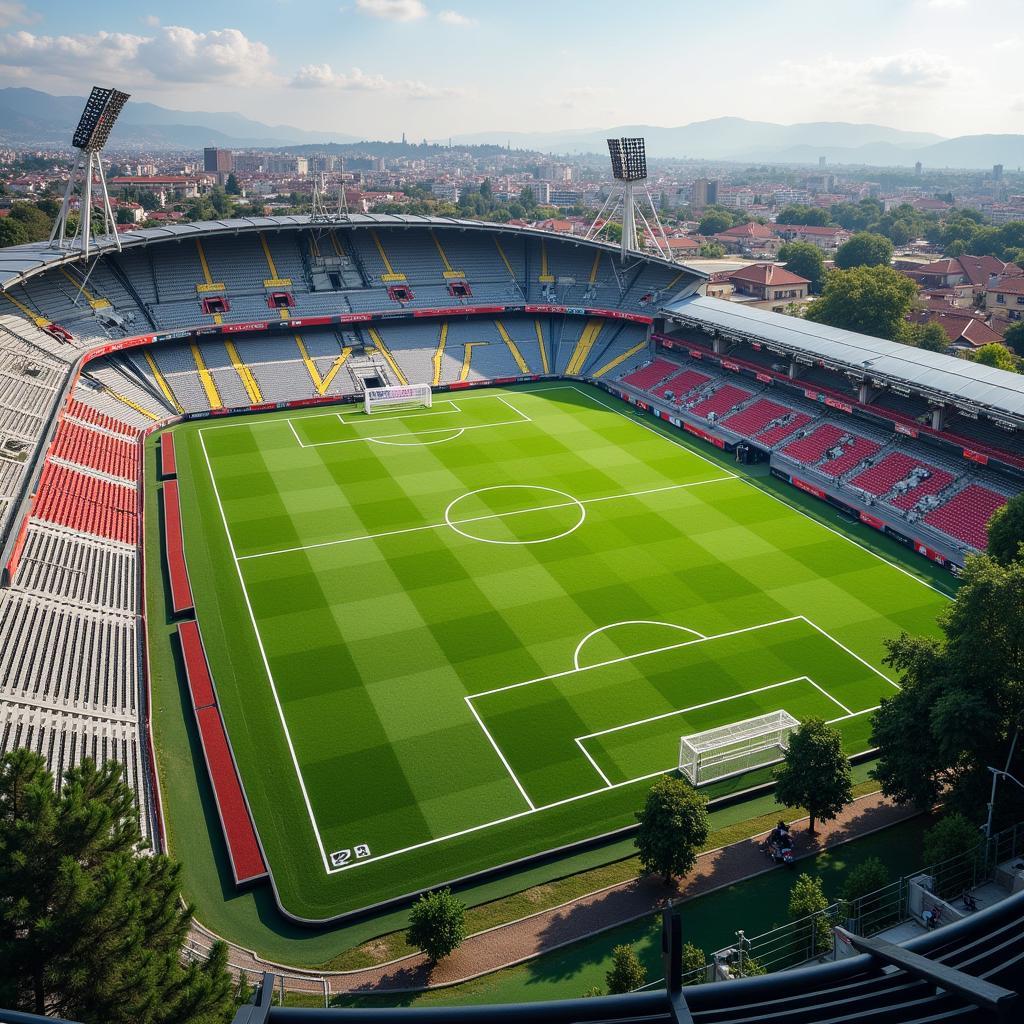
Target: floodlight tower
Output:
{"points": [[94, 127], [629, 169]]}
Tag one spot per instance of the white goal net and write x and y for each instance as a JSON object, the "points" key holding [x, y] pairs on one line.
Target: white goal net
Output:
{"points": [[732, 749], [397, 396]]}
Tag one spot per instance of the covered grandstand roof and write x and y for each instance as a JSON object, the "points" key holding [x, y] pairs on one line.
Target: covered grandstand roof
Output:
{"points": [[21, 261], [947, 376]]}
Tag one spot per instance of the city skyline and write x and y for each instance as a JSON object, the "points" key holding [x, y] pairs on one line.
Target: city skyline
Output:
{"points": [[377, 68]]}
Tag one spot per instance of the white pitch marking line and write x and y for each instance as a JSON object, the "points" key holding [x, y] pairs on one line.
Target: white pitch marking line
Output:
{"points": [[834, 700], [452, 407], [477, 519], [418, 433], [631, 657], [456, 432], [295, 433], [595, 765], [455, 523], [263, 655], [749, 482], [497, 750], [866, 664], [629, 622], [699, 707]]}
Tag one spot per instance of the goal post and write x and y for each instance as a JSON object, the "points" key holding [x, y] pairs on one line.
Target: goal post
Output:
{"points": [[408, 396], [732, 749]]}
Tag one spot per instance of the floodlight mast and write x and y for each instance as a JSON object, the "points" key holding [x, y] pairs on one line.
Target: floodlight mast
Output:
{"points": [[94, 126], [629, 169]]}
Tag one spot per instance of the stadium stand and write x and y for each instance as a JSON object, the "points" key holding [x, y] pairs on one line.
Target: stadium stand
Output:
{"points": [[965, 516], [70, 428]]}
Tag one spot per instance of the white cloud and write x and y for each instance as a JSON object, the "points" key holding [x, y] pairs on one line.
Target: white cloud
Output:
{"points": [[864, 84], [173, 54], [323, 76], [393, 10], [151, 20], [913, 68], [12, 13], [455, 19], [180, 54], [946, 5]]}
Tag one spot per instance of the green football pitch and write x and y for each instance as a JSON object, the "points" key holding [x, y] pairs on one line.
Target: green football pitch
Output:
{"points": [[450, 638]]}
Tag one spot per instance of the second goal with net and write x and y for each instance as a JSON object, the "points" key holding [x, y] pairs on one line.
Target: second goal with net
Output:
{"points": [[736, 748], [398, 396]]}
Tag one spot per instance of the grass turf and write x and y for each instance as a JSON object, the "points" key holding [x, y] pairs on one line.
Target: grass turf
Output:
{"points": [[374, 644]]}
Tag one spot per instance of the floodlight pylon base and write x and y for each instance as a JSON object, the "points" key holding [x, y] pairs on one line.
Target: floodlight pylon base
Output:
{"points": [[86, 174]]}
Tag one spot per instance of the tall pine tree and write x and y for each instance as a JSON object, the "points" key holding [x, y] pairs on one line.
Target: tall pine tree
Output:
{"points": [[91, 926]]}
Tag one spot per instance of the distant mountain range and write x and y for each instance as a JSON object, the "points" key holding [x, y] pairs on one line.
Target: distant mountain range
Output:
{"points": [[737, 139], [30, 117]]}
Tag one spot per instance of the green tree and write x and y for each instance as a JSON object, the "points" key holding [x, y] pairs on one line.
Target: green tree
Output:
{"points": [[35, 222], [804, 259], [864, 249], [961, 699], [437, 924], [930, 337], [693, 959], [674, 825], [867, 877], [1006, 532], [89, 929], [231, 186], [816, 774], [712, 251], [807, 899], [797, 214], [871, 300], [998, 356], [952, 838], [627, 973], [714, 221], [12, 232], [1014, 337]]}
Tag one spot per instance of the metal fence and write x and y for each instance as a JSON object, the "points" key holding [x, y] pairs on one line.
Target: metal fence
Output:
{"points": [[812, 938]]}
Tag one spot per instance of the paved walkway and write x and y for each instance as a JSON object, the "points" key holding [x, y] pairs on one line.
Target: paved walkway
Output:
{"points": [[618, 904]]}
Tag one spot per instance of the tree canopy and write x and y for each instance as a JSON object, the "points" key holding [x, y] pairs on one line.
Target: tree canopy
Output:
{"points": [[437, 924], [89, 929], [804, 259], [815, 774], [674, 825], [872, 300], [864, 249], [1006, 532], [998, 356], [961, 699], [627, 973], [797, 214], [1014, 337]]}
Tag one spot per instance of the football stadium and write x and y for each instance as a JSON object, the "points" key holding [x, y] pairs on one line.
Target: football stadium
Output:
{"points": [[446, 538]]}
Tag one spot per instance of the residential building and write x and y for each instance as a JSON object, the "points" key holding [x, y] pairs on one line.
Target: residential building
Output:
{"points": [[752, 239], [704, 193], [769, 286], [828, 238], [965, 330]]}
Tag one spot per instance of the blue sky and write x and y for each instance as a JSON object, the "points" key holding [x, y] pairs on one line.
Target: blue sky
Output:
{"points": [[432, 68]]}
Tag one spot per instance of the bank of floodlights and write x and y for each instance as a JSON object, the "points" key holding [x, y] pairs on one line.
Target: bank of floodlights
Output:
{"points": [[94, 126], [629, 170], [629, 159]]}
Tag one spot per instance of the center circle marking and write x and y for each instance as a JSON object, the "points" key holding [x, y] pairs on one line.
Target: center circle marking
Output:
{"points": [[570, 501]]}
